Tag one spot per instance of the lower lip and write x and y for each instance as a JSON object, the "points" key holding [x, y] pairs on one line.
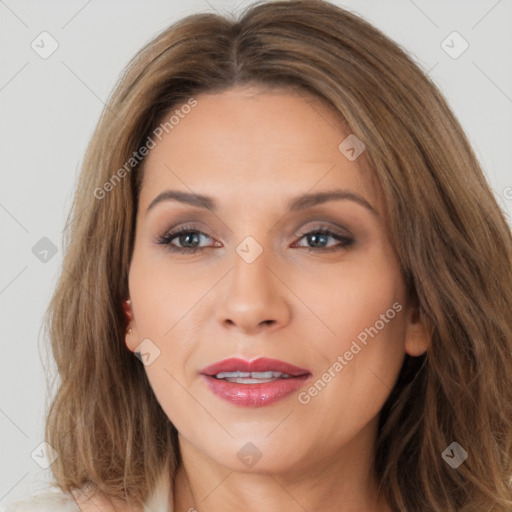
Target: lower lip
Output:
{"points": [[254, 395]]}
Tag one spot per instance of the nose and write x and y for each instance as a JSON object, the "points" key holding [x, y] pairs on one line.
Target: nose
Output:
{"points": [[254, 298]]}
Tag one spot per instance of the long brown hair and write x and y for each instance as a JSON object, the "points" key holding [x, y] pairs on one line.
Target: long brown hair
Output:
{"points": [[449, 234]]}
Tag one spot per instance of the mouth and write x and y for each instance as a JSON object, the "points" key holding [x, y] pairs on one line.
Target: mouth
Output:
{"points": [[251, 377], [253, 383], [261, 368]]}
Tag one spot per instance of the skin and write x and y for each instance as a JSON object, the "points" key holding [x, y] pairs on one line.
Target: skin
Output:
{"points": [[253, 150]]}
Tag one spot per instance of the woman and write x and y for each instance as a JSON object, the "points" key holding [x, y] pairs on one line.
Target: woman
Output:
{"points": [[284, 222]]}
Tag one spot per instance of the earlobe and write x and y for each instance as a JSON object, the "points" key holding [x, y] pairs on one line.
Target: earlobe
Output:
{"points": [[130, 337], [417, 338], [130, 340]]}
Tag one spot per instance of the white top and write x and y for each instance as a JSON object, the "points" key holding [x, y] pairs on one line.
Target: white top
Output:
{"points": [[160, 500]]}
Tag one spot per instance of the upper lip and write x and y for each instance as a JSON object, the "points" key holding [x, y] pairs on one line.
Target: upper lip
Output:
{"points": [[262, 364]]}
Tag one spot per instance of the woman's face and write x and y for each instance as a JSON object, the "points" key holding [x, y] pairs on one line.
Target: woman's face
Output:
{"points": [[315, 285]]}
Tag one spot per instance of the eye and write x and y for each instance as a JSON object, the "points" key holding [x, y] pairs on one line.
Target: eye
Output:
{"points": [[188, 237], [319, 237]]}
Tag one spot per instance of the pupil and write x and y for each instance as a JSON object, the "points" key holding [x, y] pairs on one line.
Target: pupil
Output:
{"points": [[314, 238], [186, 236]]}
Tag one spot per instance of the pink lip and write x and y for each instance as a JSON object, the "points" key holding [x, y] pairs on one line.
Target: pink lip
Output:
{"points": [[254, 395], [263, 364]]}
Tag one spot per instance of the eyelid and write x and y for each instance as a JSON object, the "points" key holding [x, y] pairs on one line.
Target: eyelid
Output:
{"points": [[329, 225]]}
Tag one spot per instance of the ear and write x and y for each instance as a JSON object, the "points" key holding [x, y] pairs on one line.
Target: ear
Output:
{"points": [[131, 337], [417, 335]]}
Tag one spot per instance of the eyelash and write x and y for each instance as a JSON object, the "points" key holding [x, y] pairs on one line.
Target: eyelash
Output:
{"points": [[166, 239]]}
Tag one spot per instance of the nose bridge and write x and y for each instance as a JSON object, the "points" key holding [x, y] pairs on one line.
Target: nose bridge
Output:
{"points": [[251, 266]]}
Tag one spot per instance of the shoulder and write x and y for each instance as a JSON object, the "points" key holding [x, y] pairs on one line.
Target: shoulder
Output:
{"points": [[47, 502], [61, 502], [160, 500]]}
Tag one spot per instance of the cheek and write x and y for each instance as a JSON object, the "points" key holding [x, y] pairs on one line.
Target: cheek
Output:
{"points": [[164, 298], [370, 310], [360, 299], [165, 292], [360, 358]]}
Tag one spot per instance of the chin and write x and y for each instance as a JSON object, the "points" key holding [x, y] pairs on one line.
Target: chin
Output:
{"points": [[254, 454]]}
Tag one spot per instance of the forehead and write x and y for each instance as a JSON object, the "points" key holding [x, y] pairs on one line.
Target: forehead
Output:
{"points": [[253, 144]]}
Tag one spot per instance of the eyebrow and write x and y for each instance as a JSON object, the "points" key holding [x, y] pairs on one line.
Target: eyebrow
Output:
{"points": [[295, 204]]}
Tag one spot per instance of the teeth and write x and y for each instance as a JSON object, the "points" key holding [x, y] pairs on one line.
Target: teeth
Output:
{"points": [[249, 381], [224, 375], [253, 377]]}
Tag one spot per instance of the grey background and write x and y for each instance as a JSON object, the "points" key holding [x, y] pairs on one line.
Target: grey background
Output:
{"points": [[48, 110]]}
